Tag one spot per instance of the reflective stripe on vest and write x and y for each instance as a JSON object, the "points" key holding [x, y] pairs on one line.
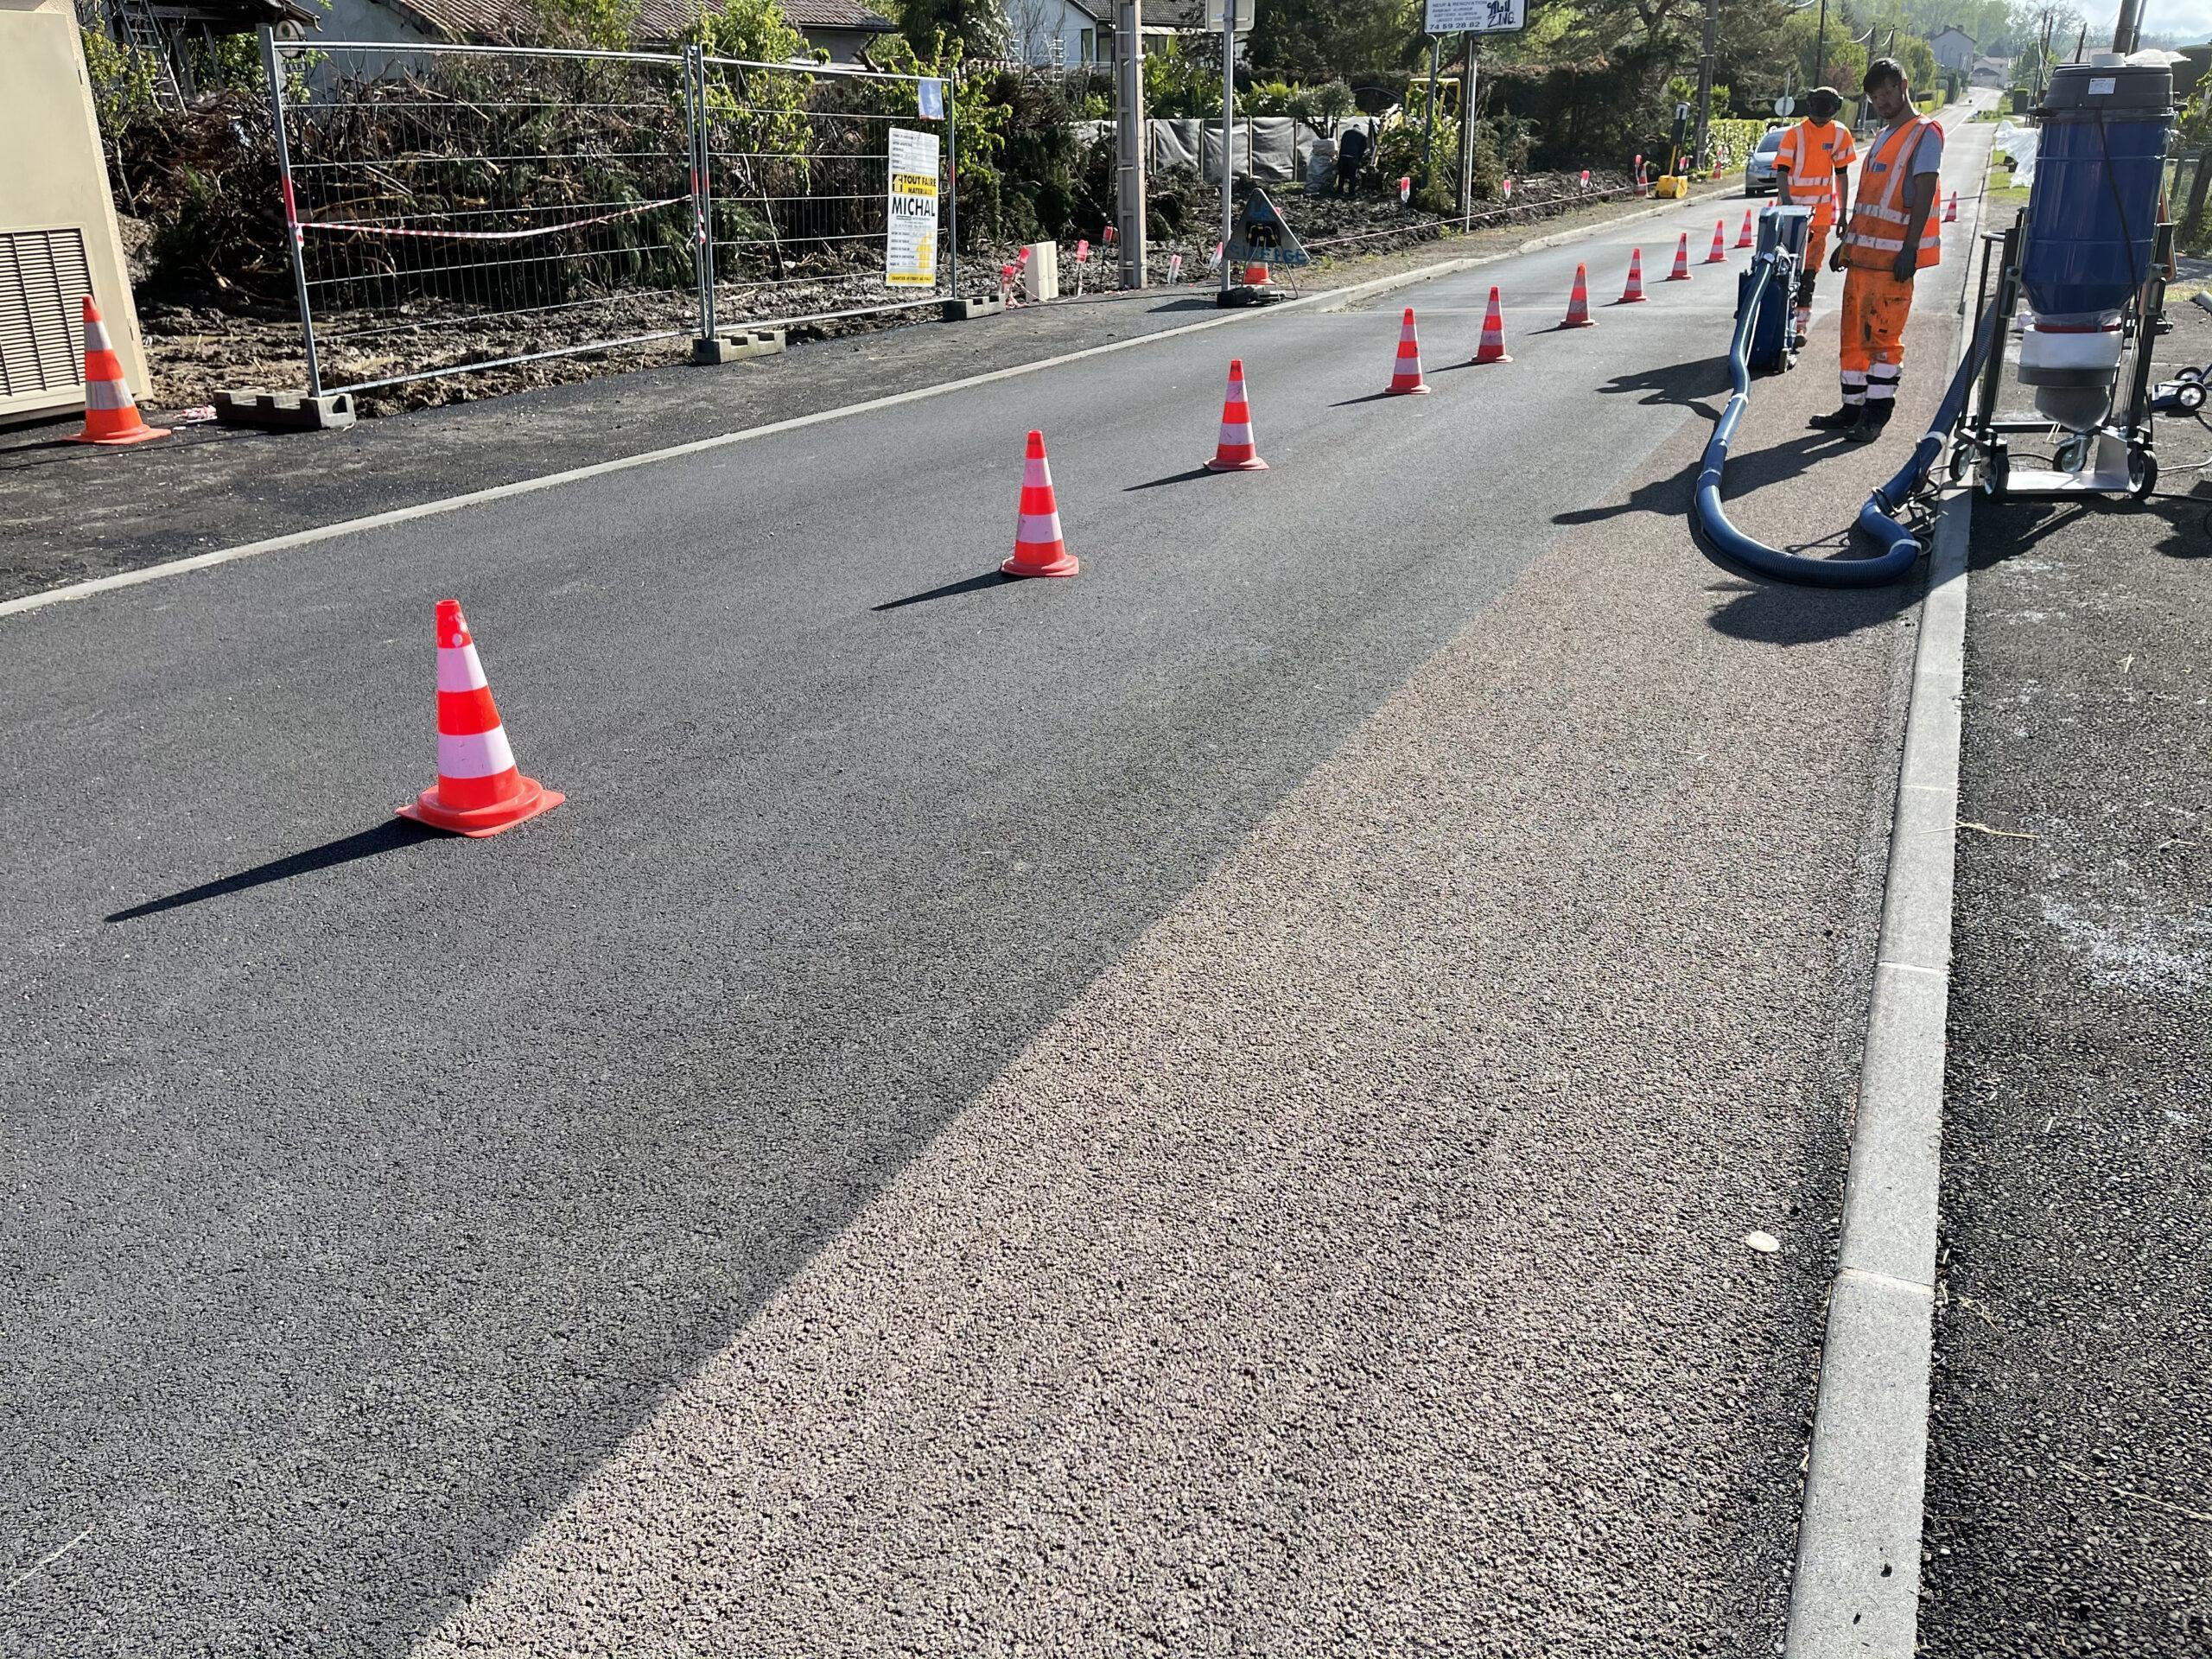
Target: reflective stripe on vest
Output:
{"points": [[1880, 216]]}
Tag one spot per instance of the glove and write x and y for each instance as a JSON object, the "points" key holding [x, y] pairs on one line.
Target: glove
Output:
{"points": [[1904, 265], [1835, 259]]}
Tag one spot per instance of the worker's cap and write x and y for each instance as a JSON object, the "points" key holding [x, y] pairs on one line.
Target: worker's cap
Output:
{"points": [[1823, 100]]}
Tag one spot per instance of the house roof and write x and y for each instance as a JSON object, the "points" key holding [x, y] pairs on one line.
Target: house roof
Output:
{"points": [[1951, 29], [657, 20], [240, 16]]}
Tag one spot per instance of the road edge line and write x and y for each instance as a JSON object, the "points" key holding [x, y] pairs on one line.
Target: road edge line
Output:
{"points": [[1328, 301], [1855, 1587]]}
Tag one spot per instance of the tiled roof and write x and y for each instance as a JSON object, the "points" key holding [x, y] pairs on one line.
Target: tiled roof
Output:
{"points": [[657, 20]]}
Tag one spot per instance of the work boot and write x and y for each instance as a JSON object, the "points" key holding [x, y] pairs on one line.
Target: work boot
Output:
{"points": [[1843, 419], [1876, 417]]}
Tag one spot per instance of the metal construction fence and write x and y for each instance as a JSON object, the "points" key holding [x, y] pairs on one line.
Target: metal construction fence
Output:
{"points": [[457, 207]]}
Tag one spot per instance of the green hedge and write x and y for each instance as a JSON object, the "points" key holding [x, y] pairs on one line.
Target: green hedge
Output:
{"points": [[1733, 142]]}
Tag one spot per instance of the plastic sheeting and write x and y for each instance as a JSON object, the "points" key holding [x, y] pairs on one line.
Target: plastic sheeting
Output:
{"points": [[1274, 149], [2020, 144]]}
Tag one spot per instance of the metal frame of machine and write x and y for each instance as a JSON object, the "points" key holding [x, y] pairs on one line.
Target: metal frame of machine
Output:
{"points": [[2116, 457]]}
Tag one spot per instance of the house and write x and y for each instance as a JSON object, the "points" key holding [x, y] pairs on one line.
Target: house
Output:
{"points": [[1059, 33], [1954, 49], [842, 28], [159, 31]]}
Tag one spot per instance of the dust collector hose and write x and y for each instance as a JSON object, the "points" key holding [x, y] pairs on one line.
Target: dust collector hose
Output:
{"points": [[1900, 548]]}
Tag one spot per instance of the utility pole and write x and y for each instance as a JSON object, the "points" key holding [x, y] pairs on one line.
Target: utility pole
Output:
{"points": [[1820, 50], [1428, 127], [1128, 137], [1467, 44], [1705, 83], [1228, 131]]}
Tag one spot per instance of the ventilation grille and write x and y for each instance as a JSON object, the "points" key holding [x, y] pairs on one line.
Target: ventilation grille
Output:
{"points": [[43, 281]]}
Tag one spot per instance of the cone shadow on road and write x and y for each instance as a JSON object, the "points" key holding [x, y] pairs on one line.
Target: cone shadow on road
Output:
{"points": [[388, 837], [1191, 476], [951, 590], [1371, 398]]}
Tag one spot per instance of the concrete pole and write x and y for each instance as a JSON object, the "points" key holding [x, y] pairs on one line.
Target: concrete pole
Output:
{"points": [[1128, 137], [1699, 160], [1467, 43], [2124, 32], [1428, 127], [1228, 132]]}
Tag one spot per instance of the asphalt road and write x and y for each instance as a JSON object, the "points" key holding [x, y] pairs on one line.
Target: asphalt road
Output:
{"points": [[1210, 1108], [2069, 1502]]}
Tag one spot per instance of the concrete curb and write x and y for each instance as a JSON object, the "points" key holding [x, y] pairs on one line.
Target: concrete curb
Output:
{"points": [[1856, 1593]]}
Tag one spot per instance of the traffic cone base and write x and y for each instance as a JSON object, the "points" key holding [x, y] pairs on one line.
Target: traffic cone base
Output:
{"points": [[1038, 548], [480, 790], [1405, 379], [483, 821], [1235, 450], [1492, 346], [111, 417]]}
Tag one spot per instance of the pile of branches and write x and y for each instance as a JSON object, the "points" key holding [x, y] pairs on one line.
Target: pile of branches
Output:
{"points": [[203, 183]]}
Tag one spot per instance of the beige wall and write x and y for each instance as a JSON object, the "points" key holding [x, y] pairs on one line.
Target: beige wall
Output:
{"points": [[54, 174]]}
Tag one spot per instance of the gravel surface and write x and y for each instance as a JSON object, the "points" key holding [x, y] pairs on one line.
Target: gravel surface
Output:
{"points": [[2070, 1485], [1213, 1108]]}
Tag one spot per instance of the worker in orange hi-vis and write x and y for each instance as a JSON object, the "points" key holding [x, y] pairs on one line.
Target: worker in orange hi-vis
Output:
{"points": [[1812, 169], [1892, 235]]}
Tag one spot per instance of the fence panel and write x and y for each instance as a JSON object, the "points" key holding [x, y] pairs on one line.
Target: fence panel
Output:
{"points": [[465, 208], [458, 207], [799, 177]]}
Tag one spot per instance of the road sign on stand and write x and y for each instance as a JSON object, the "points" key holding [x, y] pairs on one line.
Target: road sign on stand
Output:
{"points": [[1216, 8], [1476, 17], [1785, 104]]}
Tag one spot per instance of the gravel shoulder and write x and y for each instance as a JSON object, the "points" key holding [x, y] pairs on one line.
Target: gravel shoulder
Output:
{"points": [[2069, 1502]]}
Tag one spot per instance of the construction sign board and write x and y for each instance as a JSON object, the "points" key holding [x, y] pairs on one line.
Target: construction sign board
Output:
{"points": [[1478, 16], [1263, 236], [910, 238]]}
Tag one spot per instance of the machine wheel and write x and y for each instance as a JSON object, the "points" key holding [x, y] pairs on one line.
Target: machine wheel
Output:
{"points": [[1996, 474], [2142, 473], [2190, 395], [2191, 373], [1962, 460]]}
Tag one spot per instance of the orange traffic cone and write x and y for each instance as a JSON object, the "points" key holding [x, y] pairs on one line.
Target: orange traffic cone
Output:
{"points": [[1681, 273], [1492, 349], [1038, 549], [1633, 293], [1235, 452], [1405, 375], [479, 791], [1255, 274], [1577, 302], [111, 417], [1719, 256], [1951, 209], [1743, 238]]}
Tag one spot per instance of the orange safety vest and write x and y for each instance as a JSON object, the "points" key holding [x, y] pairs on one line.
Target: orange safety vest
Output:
{"points": [[1813, 154], [1880, 216]]}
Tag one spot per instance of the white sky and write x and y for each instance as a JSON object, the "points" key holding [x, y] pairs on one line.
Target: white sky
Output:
{"points": [[2191, 19]]}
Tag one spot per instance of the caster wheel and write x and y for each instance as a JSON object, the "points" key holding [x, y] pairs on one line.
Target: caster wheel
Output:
{"points": [[1996, 474], [1961, 462], [2142, 473]]}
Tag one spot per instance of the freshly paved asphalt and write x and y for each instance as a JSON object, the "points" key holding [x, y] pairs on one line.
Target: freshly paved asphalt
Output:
{"points": [[2070, 1500], [1212, 1107]]}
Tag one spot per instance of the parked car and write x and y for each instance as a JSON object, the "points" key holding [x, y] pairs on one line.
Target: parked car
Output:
{"points": [[1758, 171]]}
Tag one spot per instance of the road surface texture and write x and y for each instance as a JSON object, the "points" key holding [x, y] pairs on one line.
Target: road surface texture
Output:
{"points": [[1210, 1108], [2069, 1502], [75, 513]]}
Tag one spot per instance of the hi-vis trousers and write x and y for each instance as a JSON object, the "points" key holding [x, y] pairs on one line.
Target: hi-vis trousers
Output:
{"points": [[1875, 307]]}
